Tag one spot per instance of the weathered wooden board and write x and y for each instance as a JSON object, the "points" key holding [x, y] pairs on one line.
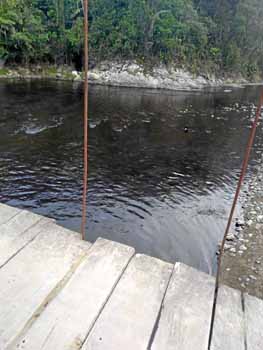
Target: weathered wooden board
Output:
{"points": [[229, 331], [128, 318], [185, 319], [254, 322], [30, 280], [69, 317], [7, 212], [17, 232]]}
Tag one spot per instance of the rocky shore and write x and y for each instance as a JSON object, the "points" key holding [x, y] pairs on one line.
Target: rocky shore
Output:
{"points": [[242, 266], [125, 74], [131, 74], [40, 72]]}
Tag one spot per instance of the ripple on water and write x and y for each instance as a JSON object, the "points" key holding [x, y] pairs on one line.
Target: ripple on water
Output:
{"points": [[151, 185]]}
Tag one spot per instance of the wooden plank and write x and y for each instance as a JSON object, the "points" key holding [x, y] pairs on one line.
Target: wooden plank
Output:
{"points": [[7, 212], [128, 318], [185, 319], [254, 322], [34, 276], [17, 232], [229, 332], [69, 317]]}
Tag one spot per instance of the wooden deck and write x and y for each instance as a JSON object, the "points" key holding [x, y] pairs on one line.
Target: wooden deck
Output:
{"points": [[58, 292]]}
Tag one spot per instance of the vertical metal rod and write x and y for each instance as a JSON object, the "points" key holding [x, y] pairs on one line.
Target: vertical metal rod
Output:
{"points": [[240, 181], [85, 116]]}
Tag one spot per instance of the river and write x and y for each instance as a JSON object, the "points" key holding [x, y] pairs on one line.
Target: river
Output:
{"points": [[152, 185]]}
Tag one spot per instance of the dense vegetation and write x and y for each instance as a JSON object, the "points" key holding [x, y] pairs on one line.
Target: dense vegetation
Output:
{"points": [[225, 35]]}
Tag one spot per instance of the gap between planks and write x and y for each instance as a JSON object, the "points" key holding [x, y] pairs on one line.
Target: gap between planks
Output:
{"points": [[70, 316]]}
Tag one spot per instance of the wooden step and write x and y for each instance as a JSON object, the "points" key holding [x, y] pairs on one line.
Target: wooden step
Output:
{"points": [[34, 276], [18, 232], [185, 319], [229, 327], [69, 317], [7, 212], [58, 292], [128, 319], [254, 322]]}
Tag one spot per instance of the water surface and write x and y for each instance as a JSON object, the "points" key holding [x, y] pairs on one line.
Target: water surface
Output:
{"points": [[151, 185]]}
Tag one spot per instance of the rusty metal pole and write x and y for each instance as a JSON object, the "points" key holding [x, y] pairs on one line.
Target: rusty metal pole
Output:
{"points": [[239, 185], [85, 116]]}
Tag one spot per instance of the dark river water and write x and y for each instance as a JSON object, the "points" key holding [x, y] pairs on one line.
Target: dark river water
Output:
{"points": [[151, 185]]}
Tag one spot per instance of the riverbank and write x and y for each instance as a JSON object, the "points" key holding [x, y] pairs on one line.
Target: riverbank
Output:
{"points": [[127, 74], [242, 266]]}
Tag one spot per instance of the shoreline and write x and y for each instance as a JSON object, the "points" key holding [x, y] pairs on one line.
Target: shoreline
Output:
{"points": [[242, 263], [129, 75]]}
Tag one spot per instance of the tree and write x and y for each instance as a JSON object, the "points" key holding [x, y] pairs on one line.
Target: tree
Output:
{"points": [[223, 34]]}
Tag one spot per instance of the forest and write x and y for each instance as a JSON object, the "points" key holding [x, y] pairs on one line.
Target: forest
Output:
{"points": [[222, 35]]}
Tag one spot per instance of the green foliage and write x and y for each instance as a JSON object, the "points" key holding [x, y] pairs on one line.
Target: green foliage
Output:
{"points": [[3, 71], [222, 34]]}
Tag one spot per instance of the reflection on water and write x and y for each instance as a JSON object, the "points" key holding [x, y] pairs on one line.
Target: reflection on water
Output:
{"points": [[151, 184]]}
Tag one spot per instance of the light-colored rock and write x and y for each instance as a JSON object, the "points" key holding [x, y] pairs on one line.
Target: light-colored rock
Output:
{"points": [[132, 74], [249, 222], [93, 76], [227, 246], [230, 237], [76, 75], [240, 223]]}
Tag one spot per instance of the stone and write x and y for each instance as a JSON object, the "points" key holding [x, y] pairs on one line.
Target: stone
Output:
{"points": [[230, 237], [227, 246], [249, 222], [77, 78], [76, 75], [240, 223], [132, 74], [243, 247], [232, 250], [252, 277], [93, 76]]}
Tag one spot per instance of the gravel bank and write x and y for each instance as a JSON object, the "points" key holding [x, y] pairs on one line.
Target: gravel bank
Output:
{"points": [[242, 266]]}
